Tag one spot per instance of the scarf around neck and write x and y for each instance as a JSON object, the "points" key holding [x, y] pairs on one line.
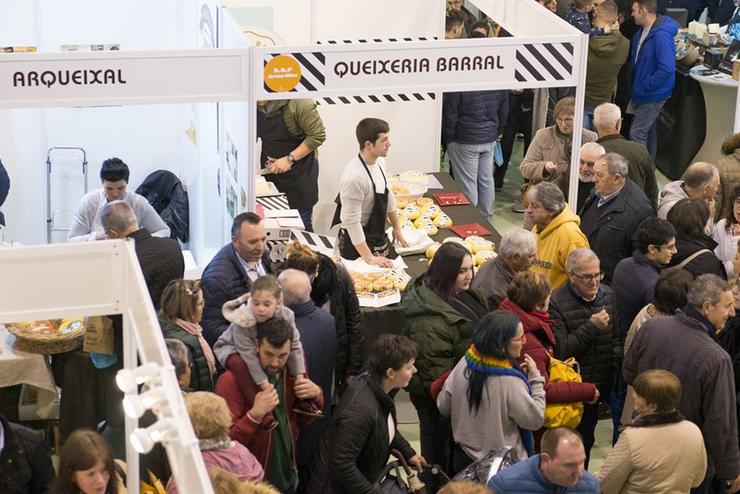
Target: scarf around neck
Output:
{"points": [[656, 419], [492, 366], [195, 330], [532, 321]]}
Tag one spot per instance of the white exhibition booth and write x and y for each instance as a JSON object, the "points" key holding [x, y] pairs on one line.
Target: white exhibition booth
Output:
{"points": [[187, 78]]}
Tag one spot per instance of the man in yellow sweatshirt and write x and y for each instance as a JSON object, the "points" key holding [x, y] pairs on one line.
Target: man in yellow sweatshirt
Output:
{"points": [[557, 230]]}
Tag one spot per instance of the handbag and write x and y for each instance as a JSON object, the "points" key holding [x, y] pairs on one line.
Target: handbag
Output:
{"points": [[389, 480], [564, 414], [498, 154], [481, 471]]}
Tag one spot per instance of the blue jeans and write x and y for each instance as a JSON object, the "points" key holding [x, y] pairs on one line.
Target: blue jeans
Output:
{"points": [[473, 167], [306, 217], [644, 127], [588, 119]]}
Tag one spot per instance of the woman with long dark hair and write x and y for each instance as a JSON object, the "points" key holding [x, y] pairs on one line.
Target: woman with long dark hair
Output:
{"points": [[332, 289], [727, 234], [441, 310], [86, 466], [494, 401]]}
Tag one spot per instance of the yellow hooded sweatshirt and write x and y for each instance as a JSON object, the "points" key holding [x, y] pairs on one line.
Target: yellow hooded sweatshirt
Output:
{"points": [[556, 241]]}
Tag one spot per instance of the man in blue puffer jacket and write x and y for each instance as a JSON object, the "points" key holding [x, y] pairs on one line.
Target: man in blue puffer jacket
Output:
{"points": [[559, 468], [472, 121], [653, 70]]}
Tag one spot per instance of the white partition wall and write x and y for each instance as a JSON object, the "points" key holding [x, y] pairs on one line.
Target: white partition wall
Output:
{"points": [[103, 278]]}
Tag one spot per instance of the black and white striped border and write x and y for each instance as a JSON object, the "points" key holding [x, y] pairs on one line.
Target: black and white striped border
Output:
{"points": [[545, 62], [318, 243], [376, 98], [274, 203]]}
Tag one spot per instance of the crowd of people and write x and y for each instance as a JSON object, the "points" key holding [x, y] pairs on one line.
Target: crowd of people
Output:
{"points": [[635, 284]]}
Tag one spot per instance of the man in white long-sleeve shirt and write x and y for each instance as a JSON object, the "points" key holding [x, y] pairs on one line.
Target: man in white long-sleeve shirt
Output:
{"points": [[365, 201], [114, 175]]}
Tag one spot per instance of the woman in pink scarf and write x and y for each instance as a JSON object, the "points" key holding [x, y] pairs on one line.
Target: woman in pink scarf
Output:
{"points": [[180, 312]]}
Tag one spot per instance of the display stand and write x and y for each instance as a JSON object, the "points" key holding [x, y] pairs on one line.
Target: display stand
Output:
{"points": [[104, 278]]}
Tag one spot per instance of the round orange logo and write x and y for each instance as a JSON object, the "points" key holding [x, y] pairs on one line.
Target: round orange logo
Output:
{"points": [[282, 73]]}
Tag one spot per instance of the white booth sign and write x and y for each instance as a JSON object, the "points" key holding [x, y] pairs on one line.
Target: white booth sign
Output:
{"points": [[64, 79], [434, 65]]}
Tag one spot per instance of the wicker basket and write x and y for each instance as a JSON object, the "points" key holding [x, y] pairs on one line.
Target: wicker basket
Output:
{"points": [[46, 344]]}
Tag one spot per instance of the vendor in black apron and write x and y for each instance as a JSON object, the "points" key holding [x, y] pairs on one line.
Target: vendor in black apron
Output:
{"points": [[365, 201], [291, 132]]}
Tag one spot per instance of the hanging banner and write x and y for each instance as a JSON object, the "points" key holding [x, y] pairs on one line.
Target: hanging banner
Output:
{"points": [[494, 63], [85, 79]]}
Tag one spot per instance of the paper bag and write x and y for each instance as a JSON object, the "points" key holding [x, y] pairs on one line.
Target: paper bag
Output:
{"points": [[98, 335]]}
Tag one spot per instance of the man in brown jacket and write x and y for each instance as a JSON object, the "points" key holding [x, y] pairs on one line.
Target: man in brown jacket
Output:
{"points": [[729, 174], [686, 344]]}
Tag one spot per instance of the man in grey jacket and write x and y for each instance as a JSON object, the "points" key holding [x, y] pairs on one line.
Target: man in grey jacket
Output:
{"points": [[699, 181], [686, 344]]}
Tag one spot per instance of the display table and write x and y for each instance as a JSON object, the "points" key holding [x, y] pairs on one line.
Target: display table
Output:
{"points": [[391, 319], [681, 126], [720, 93], [18, 367]]}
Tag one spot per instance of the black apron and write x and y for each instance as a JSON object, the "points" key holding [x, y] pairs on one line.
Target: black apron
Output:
{"points": [[374, 229], [301, 183]]}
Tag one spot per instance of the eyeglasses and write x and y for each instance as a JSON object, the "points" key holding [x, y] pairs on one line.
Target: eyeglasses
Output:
{"points": [[670, 247], [568, 120], [521, 338], [589, 278]]}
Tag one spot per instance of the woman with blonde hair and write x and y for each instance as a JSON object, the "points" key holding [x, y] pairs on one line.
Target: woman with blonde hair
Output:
{"points": [[180, 312], [211, 421], [224, 482], [333, 290], [660, 451]]}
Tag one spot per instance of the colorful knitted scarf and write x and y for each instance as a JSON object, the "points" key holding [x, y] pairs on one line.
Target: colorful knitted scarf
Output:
{"points": [[492, 366]]}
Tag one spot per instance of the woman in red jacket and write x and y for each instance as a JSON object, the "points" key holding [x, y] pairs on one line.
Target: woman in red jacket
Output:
{"points": [[528, 296]]}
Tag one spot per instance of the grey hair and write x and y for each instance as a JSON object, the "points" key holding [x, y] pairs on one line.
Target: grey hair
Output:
{"points": [[178, 355], [118, 216], [616, 164], [594, 147], [699, 174], [606, 115], [296, 286], [549, 196], [706, 288], [517, 241], [577, 255]]}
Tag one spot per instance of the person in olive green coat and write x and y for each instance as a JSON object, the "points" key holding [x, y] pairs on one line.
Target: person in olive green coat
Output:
{"points": [[441, 311], [179, 315]]}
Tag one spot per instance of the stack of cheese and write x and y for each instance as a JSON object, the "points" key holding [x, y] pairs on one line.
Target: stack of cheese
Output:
{"points": [[423, 215], [480, 248]]}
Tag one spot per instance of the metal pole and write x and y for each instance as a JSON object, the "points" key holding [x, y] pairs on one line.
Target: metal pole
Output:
{"points": [[578, 122]]}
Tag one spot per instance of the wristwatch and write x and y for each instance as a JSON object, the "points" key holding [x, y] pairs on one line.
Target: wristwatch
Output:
{"points": [[291, 159]]}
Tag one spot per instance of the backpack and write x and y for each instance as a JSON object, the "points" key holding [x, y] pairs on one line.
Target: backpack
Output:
{"points": [[564, 414]]}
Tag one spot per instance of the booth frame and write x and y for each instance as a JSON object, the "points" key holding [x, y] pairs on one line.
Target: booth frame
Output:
{"points": [[123, 284]]}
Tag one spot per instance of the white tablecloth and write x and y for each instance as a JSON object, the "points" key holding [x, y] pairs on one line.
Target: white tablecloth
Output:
{"points": [[18, 367]]}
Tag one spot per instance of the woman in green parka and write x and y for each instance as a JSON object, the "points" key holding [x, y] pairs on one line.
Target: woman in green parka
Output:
{"points": [[441, 310], [180, 312]]}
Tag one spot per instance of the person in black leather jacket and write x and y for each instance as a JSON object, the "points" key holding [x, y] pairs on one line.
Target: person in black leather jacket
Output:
{"points": [[25, 460], [357, 445]]}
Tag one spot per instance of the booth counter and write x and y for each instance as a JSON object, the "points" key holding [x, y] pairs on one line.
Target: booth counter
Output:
{"points": [[391, 319]]}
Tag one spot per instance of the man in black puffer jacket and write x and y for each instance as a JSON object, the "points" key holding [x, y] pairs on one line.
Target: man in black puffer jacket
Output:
{"points": [[25, 460], [231, 271], [583, 313]]}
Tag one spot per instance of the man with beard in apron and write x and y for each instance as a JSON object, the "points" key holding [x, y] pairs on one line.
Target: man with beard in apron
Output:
{"points": [[291, 132], [365, 201]]}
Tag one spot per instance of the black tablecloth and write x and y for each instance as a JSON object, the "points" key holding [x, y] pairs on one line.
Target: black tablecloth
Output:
{"points": [[390, 319], [682, 126]]}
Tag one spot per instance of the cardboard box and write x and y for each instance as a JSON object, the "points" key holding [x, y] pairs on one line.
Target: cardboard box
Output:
{"points": [[736, 70], [279, 225]]}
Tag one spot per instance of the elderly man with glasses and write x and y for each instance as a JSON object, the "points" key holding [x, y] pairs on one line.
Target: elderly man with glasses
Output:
{"points": [[583, 312]]}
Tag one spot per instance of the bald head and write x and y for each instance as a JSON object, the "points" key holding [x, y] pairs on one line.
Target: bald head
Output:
{"points": [[296, 286], [118, 219], [607, 119], [701, 181], [590, 152]]}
